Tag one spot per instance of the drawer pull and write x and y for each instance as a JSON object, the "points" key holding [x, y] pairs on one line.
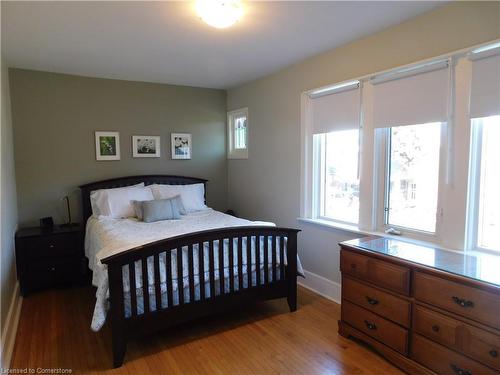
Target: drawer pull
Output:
{"points": [[52, 246], [369, 325], [457, 370], [353, 266], [462, 302], [53, 269], [435, 328], [371, 301], [493, 353]]}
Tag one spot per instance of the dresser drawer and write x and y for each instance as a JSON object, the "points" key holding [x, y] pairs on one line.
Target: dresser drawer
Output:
{"points": [[464, 300], [384, 274], [444, 361], [52, 246], [475, 342], [437, 327], [375, 326], [377, 301]]}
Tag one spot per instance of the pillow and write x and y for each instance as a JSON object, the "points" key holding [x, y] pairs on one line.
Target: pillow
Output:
{"points": [[117, 203], [193, 196], [177, 201], [162, 209], [99, 201]]}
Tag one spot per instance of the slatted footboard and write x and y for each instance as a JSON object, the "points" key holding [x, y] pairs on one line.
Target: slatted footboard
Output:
{"points": [[178, 279]]}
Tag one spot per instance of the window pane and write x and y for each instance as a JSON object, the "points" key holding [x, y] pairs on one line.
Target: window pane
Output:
{"points": [[414, 176], [341, 183], [489, 185], [240, 133]]}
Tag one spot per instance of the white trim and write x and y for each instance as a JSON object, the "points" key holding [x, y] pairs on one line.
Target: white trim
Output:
{"points": [[363, 233], [409, 71], [321, 285], [10, 329], [457, 54], [329, 90]]}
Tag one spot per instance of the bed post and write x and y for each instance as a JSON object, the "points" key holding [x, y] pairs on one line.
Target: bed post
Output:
{"points": [[117, 313], [292, 271]]}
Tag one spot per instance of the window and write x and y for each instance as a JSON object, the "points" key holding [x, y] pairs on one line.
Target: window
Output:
{"points": [[337, 154], [237, 122], [415, 149], [485, 182], [335, 115], [413, 176]]}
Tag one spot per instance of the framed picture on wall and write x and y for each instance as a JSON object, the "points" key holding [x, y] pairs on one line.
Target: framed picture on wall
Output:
{"points": [[181, 145], [146, 146], [107, 145]]}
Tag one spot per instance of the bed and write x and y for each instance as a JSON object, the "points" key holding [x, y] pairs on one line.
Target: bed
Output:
{"points": [[150, 276]]}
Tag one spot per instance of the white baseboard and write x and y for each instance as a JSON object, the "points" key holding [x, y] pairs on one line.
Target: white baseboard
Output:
{"points": [[10, 329], [321, 285]]}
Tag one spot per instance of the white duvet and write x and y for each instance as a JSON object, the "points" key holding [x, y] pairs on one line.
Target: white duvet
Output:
{"points": [[106, 236]]}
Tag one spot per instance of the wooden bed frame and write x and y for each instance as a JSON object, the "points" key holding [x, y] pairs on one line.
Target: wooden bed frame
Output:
{"points": [[274, 284]]}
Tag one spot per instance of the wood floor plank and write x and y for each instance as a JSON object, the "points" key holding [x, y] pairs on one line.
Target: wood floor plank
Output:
{"points": [[54, 332]]}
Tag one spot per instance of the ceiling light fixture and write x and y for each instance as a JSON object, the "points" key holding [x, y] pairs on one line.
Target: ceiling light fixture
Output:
{"points": [[219, 13]]}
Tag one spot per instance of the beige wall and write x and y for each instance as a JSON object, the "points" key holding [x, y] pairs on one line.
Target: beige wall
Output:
{"points": [[267, 185], [55, 116], [8, 218]]}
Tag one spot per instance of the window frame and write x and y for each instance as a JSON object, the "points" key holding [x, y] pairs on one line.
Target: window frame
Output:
{"points": [[474, 191], [382, 183], [232, 152], [319, 176]]}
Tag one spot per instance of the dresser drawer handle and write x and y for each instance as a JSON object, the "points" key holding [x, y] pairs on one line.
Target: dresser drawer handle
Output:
{"points": [[457, 370], [52, 269], [371, 301], [462, 302], [370, 325], [52, 246], [435, 328], [493, 353]]}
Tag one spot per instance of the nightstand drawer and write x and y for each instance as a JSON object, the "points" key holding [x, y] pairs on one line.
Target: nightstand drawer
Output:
{"points": [[375, 326], [52, 246], [54, 272]]}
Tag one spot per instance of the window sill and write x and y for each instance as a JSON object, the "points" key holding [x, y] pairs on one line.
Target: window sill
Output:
{"points": [[356, 230]]}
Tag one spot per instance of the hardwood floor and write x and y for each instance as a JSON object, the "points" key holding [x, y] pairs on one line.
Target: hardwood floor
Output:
{"points": [[54, 332]]}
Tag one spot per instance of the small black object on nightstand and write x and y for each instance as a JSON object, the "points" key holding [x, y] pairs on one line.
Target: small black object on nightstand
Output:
{"points": [[48, 259]]}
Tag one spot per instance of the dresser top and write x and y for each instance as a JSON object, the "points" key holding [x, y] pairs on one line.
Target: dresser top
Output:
{"points": [[480, 266]]}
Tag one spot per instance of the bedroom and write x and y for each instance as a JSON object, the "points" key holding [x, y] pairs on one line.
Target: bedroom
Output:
{"points": [[278, 138]]}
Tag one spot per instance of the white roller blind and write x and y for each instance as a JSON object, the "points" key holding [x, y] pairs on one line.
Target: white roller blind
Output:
{"points": [[416, 99], [485, 90], [337, 111]]}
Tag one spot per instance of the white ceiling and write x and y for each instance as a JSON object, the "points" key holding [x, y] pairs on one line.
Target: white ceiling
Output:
{"points": [[166, 42]]}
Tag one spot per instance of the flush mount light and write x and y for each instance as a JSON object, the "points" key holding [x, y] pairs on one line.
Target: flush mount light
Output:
{"points": [[219, 13]]}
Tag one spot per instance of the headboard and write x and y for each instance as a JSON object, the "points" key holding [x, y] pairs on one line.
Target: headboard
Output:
{"points": [[131, 180]]}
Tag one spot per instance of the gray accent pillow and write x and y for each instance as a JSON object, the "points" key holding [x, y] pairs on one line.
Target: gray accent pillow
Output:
{"points": [[161, 209], [177, 201]]}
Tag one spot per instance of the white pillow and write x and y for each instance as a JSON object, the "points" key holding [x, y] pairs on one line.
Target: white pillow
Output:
{"points": [[117, 202], [193, 196]]}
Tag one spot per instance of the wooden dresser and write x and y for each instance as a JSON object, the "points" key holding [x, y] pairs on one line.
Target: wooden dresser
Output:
{"points": [[424, 309]]}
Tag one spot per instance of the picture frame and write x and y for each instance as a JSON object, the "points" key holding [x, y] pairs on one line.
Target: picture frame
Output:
{"points": [[107, 145], [146, 146], [181, 146]]}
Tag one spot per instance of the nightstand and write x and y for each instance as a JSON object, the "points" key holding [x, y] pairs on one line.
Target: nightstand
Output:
{"points": [[50, 258]]}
